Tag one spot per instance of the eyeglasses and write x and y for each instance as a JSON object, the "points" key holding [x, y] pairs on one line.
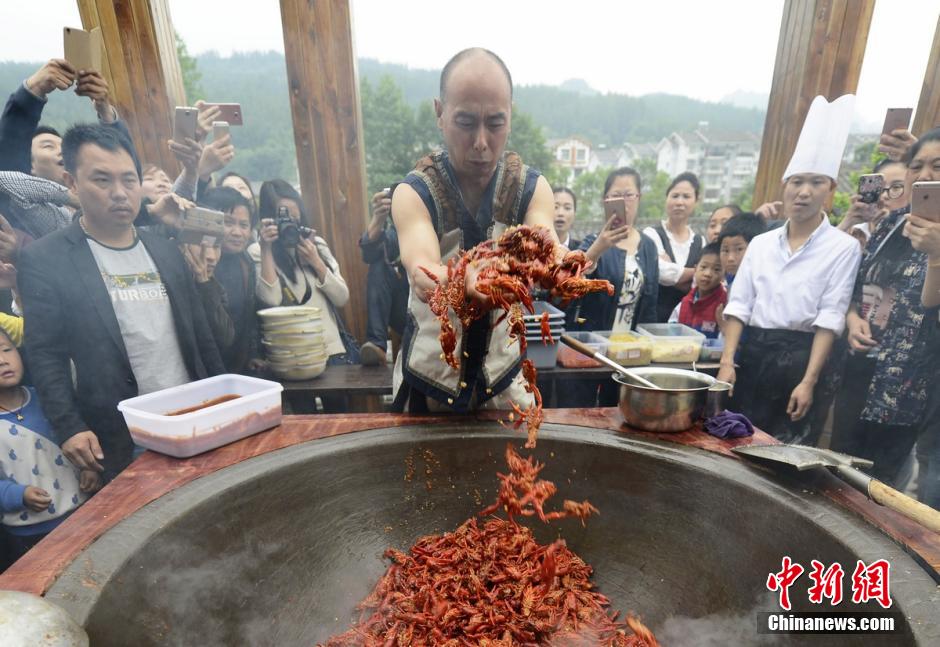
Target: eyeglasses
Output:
{"points": [[894, 191], [629, 196]]}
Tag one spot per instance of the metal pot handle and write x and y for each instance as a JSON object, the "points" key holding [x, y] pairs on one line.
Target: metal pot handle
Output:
{"points": [[719, 385]]}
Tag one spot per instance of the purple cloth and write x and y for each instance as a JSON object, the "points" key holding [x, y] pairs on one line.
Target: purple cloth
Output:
{"points": [[728, 424]]}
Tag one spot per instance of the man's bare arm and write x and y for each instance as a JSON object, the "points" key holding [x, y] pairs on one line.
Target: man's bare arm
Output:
{"points": [[541, 212], [417, 240]]}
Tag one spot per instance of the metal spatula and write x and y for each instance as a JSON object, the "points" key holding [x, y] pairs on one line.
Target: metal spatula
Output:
{"points": [[842, 465]]}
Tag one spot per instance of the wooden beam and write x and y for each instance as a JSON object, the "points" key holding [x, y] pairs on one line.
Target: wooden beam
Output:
{"points": [[928, 106], [819, 51], [324, 97], [142, 70]]}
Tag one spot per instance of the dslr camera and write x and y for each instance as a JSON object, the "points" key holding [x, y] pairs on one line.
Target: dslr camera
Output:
{"points": [[288, 231]]}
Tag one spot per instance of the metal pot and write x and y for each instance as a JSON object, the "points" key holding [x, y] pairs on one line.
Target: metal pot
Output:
{"points": [[675, 406]]}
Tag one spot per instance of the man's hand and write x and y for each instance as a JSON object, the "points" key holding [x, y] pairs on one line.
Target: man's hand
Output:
{"points": [[57, 74], [381, 209], [896, 145], [8, 241], [207, 115], [89, 481], [216, 156], [800, 401], [83, 451], [195, 256], [169, 210], [189, 153], [770, 210], [93, 86], [36, 499], [727, 373], [859, 333]]}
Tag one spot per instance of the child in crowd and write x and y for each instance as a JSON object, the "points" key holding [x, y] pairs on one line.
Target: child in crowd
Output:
{"points": [[735, 236], [717, 220], [39, 487], [700, 307]]}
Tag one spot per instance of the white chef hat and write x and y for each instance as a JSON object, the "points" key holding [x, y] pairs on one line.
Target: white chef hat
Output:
{"points": [[822, 140]]}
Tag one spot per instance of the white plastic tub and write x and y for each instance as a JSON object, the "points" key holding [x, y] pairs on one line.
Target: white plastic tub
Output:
{"points": [[257, 408]]}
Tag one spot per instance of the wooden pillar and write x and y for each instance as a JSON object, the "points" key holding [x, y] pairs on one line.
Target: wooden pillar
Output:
{"points": [[142, 69], [819, 51], [324, 98], [928, 106]]}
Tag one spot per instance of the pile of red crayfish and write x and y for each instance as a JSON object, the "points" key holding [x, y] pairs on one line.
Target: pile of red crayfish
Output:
{"points": [[508, 268], [493, 585]]}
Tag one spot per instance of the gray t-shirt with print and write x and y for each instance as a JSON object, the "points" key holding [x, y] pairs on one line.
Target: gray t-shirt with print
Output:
{"points": [[143, 312]]}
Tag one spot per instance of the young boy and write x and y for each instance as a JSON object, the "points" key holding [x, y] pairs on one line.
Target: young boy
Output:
{"points": [[733, 240], [39, 487], [717, 220], [699, 308]]}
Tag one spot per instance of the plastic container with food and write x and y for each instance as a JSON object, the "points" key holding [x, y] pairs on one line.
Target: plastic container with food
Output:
{"points": [[542, 355], [570, 358], [712, 349], [628, 348], [673, 343], [186, 420]]}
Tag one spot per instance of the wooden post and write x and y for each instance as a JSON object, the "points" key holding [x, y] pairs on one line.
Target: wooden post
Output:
{"points": [[928, 106], [142, 69], [819, 51], [324, 98]]}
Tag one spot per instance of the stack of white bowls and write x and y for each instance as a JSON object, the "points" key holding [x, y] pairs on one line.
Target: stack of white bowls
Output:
{"points": [[293, 341]]}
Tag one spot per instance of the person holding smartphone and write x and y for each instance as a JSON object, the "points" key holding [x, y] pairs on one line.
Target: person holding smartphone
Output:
{"points": [[629, 260], [886, 386], [865, 217]]}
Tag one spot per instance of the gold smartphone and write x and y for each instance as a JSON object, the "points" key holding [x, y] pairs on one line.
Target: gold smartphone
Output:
{"points": [[83, 49]]}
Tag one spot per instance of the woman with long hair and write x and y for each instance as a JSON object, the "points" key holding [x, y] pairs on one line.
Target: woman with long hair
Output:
{"points": [[295, 266]]}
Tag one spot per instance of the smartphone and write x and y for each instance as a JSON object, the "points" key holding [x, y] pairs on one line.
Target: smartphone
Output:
{"points": [[616, 207], [201, 226], [184, 123], [83, 48], [897, 119], [870, 187], [925, 200], [219, 130], [229, 112]]}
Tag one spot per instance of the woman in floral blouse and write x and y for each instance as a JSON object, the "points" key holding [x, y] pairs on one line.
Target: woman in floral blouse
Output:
{"points": [[886, 386]]}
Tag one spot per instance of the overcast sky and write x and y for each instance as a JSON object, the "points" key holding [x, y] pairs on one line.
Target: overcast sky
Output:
{"points": [[705, 50]]}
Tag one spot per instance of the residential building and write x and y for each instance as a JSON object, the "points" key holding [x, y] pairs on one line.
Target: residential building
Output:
{"points": [[725, 162]]}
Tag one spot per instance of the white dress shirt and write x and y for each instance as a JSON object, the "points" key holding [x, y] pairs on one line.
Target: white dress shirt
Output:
{"points": [[801, 290], [669, 272]]}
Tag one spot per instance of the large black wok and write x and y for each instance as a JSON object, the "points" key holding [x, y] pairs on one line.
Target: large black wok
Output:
{"points": [[277, 550]]}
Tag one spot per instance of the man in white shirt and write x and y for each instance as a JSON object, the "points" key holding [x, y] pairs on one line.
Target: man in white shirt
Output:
{"points": [[790, 296]]}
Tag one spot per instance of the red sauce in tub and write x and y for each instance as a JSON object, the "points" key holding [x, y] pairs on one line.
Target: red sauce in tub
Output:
{"points": [[204, 405]]}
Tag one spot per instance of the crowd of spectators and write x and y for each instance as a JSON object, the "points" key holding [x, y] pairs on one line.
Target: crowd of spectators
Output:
{"points": [[100, 302]]}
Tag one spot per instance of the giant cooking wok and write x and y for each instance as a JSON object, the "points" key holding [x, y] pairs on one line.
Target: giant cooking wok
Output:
{"points": [[277, 549]]}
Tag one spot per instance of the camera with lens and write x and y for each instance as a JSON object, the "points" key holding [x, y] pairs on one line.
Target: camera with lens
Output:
{"points": [[288, 231]]}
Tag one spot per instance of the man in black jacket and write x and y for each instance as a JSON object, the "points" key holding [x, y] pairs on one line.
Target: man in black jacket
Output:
{"points": [[120, 304]]}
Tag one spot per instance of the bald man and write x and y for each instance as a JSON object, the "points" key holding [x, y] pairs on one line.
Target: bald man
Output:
{"points": [[453, 200]]}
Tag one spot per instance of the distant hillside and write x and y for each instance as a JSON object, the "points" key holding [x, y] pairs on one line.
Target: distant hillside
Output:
{"points": [[259, 81], [604, 118]]}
